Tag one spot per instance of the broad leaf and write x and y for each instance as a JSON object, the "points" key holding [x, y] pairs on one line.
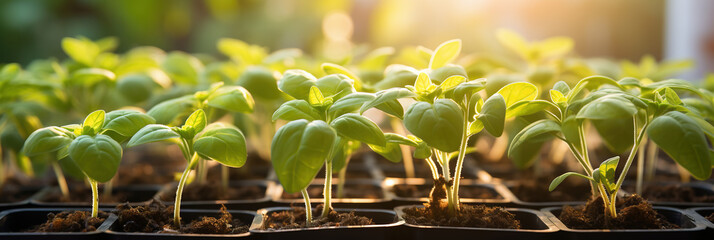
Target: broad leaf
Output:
{"points": [[127, 122], [517, 92], [260, 82], [98, 156], [590, 83], [683, 140], [440, 125], [298, 150], [152, 133], [197, 121], [331, 68], [605, 174], [296, 109], [608, 107], [451, 83], [232, 98], [493, 115], [48, 139], [422, 83], [315, 97], [223, 144], [95, 121], [350, 103], [616, 133], [554, 184], [169, 111], [356, 127], [386, 96], [536, 129], [525, 108], [335, 86], [297, 83], [445, 53], [81, 50]]}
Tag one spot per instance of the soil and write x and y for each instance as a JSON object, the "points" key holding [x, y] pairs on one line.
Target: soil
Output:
{"points": [[157, 217], [536, 190], [295, 218], [14, 191], [81, 193], [350, 191], [212, 191], [142, 173], [674, 193], [71, 221], [634, 212], [436, 213], [421, 191]]}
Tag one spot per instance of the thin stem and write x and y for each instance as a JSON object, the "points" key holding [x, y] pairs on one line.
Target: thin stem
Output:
{"points": [[108, 187], [341, 177], [61, 180], [628, 163], [225, 176], [406, 152], [202, 172], [651, 161], [327, 191], [432, 167], [460, 159], [308, 207], [640, 170], [179, 189], [95, 197]]}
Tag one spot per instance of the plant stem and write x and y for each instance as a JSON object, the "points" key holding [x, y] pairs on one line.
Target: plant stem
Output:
{"points": [[460, 160], [202, 172], [651, 161], [327, 191], [61, 180], [432, 166], [640, 170], [95, 197], [628, 163], [406, 152], [341, 178], [179, 189], [224, 178], [308, 207], [108, 188]]}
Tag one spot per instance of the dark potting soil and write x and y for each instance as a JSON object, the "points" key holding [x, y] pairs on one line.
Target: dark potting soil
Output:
{"points": [[13, 192], [674, 193], [436, 213], [212, 191], [634, 212], [71, 221], [157, 217], [350, 191], [421, 191], [295, 218], [81, 193], [536, 190], [142, 173]]}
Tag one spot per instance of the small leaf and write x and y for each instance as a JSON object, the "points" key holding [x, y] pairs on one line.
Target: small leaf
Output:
{"points": [[296, 109], [95, 121], [525, 108], [48, 139], [152, 133], [222, 144], [591, 83], [331, 68], [232, 98], [386, 96], [170, 111], [475, 127], [297, 83], [422, 83], [350, 103], [127, 122], [445, 53], [556, 96], [98, 156], [561, 87], [356, 127], [391, 151], [197, 121], [560, 179], [608, 107], [493, 115], [81, 50], [315, 97], [672, 97], [451, 83], [517, 92]]}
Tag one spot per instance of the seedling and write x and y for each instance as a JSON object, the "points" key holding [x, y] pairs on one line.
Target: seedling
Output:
{"points": [[215, 101], [322, 125], [658, 113], [93, 146], [217, 141]]}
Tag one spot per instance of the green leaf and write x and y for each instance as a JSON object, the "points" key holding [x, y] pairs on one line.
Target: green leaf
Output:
{"points": [[331, 68], [467, 89], [387, 95], [475, 127], [136, 87], [590, 83], [356, 127], [683, 140], [608, 107], [95, 121], [350, 103], [315, 97], [493, 114], [197, 121], [298, 150], [440, 124], [672, 97], [451, 83], [517, 92], [127, 122], [170, 111], [392, 151], [422, 83], [260, 82], [48, 139], [340, 153], [535, 129], [296, 109], [561, 87], [525, 108], [616, 133], [335, 86], [297, 83], [557, 97], [232, 98], [225, 145], [445, 53], [605, 174], [81, 50], [152, 133], [513, 41], [90, 76], [560, 179], [98, 156]]}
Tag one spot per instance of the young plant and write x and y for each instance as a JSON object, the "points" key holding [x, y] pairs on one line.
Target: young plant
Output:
{"points": [[320, 128], [93, 146], [215, 101], [661, 116], [217, 141]]}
